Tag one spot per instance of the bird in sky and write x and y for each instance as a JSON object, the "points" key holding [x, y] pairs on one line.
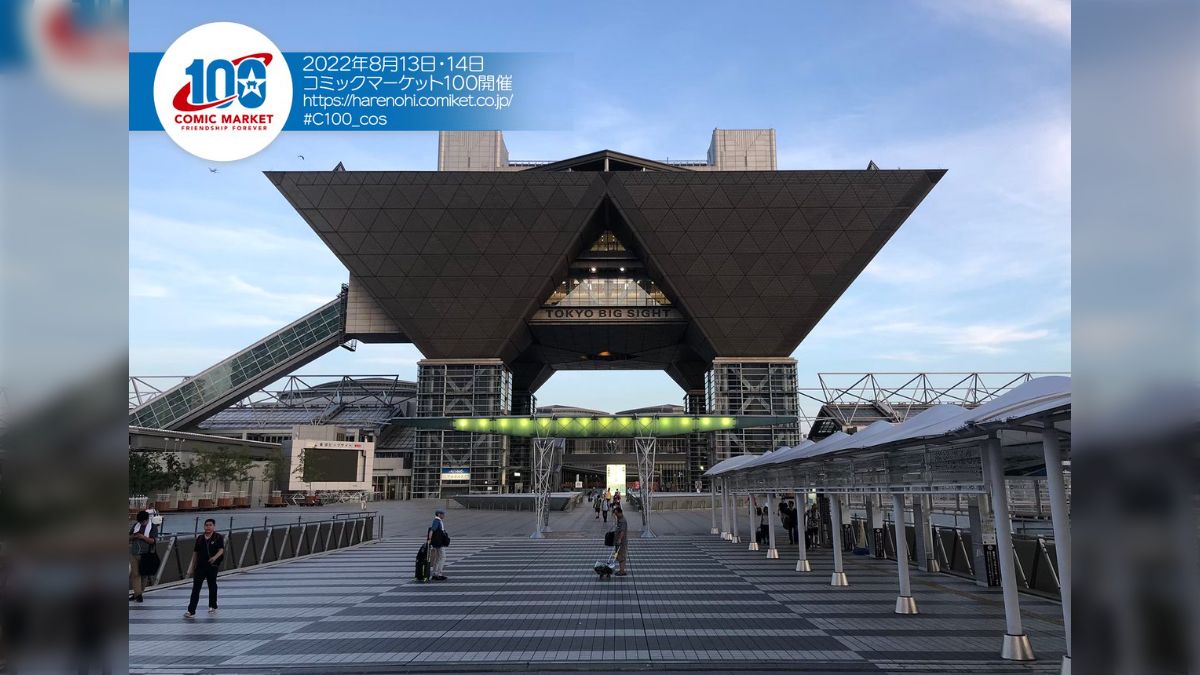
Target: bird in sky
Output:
{"points": [[300, 156], [212, 170]]}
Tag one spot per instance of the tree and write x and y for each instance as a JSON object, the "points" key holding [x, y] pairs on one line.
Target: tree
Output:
{"points": [[275, 469], [223, 465], [156, 470]]}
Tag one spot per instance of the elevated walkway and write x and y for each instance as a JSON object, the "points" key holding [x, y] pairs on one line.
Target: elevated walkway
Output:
{"points": [[287, 349]]}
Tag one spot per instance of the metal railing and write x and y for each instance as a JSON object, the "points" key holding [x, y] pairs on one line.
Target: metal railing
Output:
{"points": [[258, 545]]}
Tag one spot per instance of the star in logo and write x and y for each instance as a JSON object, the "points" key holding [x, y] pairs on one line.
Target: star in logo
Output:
{"points": [[250, 84]]}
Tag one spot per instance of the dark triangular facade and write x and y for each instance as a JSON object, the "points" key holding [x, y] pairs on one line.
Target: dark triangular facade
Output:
{"points": [[463, 262]]}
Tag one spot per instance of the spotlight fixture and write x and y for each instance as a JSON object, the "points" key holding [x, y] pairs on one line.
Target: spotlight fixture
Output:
{"points": [[622, 269], [593, 270]]}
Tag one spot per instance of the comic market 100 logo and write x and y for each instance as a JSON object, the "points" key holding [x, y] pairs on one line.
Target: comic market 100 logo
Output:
{"points": [[223, 91]]}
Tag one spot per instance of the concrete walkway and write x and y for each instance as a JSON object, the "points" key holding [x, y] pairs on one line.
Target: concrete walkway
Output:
{"points": [[692, 602]]}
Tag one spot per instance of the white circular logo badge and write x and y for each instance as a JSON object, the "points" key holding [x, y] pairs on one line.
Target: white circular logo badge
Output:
{"points": [[223, 91]]}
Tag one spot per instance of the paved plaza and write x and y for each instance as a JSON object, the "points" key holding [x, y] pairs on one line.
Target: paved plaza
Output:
{"points": [[691, 602]]}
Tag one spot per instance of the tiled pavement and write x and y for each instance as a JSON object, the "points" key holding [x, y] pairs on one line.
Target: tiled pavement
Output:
{"points": [[690, 602]]}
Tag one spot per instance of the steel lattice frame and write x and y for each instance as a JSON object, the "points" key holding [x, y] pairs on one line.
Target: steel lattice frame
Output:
{"points": [[896, 396], [646, 449], [543, 456]]}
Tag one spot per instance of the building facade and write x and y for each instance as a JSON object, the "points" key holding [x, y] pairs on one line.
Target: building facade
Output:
{"points": [[504, 272]]}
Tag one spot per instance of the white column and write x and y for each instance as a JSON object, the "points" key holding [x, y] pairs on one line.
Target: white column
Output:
{"points": [[714, 529], [925, 533], [1016, 645], [753, 523], [802, 564], [772, 504], [835, 517], [724, 510], [733, 519], [905, 604], [1061, 519]]}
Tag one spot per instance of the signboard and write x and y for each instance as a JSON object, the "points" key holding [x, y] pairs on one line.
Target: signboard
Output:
{"points": [[453, 475], [336, 445], [615, 474], [606, 314]]}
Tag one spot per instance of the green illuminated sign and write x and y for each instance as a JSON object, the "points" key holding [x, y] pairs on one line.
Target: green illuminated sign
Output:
{"points": [[601, 426]]}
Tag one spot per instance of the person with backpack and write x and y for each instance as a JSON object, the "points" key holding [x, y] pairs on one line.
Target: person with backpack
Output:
{"points": [[437, 539], [143, 534], [605, 505], [596, 506], [812, 527], [206, 560], [786, 516]]}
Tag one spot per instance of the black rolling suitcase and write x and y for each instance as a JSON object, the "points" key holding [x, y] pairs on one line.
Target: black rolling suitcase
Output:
{"points": [[422, 571]]}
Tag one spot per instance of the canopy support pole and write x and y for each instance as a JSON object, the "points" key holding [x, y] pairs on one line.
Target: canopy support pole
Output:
{"points": [[802, 564], [733, 530], [713, 485], [1060, 517], [905, 604], [772, 505], [835, 513], [1016, 645], [753, 525], [724, 510]]}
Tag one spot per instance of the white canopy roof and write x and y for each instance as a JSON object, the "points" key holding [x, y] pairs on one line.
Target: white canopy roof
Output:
{"points": [[784, 454], [1031, 399], [729, 464]]}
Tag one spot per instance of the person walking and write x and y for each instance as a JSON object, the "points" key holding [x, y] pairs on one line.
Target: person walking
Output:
{"points": [[438, 539], [616, 500], [605, 505], [143, 535], [621, 540], [596, 505], [794, 522], [206, 560], [785, 517], [812, 526]]}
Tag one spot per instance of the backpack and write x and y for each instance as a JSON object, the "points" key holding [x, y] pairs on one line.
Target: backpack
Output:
{"points": [[610, 538], [439, 539]]}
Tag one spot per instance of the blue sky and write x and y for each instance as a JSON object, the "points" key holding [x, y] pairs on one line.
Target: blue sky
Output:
{"points": [[978, 279]]}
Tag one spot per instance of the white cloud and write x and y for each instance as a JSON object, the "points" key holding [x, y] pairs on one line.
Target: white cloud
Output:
{"points": [[140, 287], [990, 339], [193, 236], [279, 299], [246, 321], [1052, 17]]}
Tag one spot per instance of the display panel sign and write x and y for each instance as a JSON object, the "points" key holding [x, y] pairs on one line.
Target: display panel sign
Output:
{"points": [[615, 477], [455, 475]]}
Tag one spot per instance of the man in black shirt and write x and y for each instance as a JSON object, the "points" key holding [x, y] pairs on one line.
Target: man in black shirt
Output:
{"points": [[206, 559]]}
